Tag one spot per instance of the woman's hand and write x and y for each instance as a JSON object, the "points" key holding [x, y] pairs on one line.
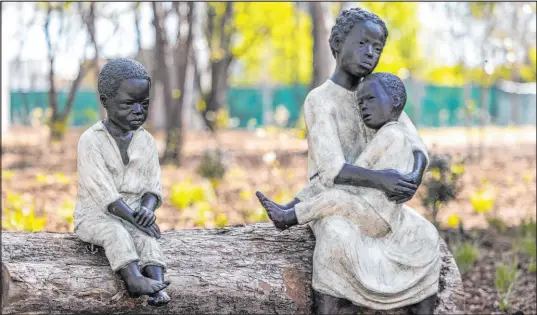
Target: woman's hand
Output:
{"points": [[413, 178], [398, 187]]}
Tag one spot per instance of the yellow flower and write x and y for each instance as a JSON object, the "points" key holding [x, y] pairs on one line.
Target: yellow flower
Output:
{"points": [[41, 178], [453, 221], [7, 174], [482, 201], [220, 220], [435, 173], [201, 106], [457, 169], [176, 93], [528, 177], [62, 179], [245, 194]]}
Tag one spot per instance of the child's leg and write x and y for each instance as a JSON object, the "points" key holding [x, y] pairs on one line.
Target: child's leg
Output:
{"points": [[151, 262], [113, 236], [337, 202], [147, 247], [367, 207]]}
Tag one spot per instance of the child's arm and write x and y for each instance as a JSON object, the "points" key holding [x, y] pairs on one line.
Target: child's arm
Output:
{"points": [[421, 157], [152, 198], [96, 179]]}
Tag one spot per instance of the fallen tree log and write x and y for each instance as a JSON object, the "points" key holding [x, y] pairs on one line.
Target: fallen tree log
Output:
{"points": [[250, 269]]}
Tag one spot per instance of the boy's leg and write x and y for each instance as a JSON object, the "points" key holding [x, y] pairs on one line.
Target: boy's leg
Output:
{"points": [[119, 246], [147, 247], [337, 202], [151, 262], [110, 234]]}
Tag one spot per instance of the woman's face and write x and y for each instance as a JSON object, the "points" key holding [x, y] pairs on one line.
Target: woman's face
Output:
{"points": [[360, 52]]}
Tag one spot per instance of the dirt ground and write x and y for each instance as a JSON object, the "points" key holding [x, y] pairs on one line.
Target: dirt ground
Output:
{"points": [[275, 163]]}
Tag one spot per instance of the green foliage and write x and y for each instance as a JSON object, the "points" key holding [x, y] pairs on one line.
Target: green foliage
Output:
{"points": [[497, 224], [465, 254], [402, 50], [504, 281], [19, 215], [212, 165], [526, 242], [442, 184], [185, 194], [274, 41]]}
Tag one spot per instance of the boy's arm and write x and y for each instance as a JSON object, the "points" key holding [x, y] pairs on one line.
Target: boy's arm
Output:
{"points": [[421, 157], [416, 143], [152, 198], [94, 177]]}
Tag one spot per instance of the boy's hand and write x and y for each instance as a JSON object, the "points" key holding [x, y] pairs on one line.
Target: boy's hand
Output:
{"points": [[153, 230], [144, 217]]}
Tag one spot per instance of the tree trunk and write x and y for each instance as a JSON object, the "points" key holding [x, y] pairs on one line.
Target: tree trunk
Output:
{"points": [[232, 270], [323, 61], [161, 51], [220, 35], [174, 121]]}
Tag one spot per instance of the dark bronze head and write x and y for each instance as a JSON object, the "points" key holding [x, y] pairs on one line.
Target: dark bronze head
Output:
{"points": [[382, 98], [124, 88], [357, 40]]}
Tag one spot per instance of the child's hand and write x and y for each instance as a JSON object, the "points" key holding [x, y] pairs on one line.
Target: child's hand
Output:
{"points": [[144, 217], [153, 230]]}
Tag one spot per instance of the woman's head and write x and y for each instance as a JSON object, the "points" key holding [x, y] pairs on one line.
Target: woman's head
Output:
{"points": [[357, 40]]}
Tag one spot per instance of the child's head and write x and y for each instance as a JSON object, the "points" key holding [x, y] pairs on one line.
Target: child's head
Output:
{"points": [[124, 88], [382, 98]]}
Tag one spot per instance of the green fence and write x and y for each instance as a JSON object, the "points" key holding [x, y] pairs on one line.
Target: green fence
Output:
{"points": [[440, 106]]}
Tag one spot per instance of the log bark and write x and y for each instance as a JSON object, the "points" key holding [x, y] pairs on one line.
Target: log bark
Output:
{"points": [[250, 269]]}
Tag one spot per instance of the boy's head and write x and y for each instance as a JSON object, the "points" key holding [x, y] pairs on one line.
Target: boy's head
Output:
{"points": [[357, 40], [124, 87], [381, 97]]}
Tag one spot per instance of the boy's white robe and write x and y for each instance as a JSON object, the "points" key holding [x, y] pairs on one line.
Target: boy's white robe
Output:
{"points": [[103, 179], [381, 256]]}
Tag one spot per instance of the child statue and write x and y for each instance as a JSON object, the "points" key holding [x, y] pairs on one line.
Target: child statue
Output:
{"points": [[385, 255], [119, 182]]}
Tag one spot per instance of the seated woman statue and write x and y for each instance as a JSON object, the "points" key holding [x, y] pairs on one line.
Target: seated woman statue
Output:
{"points": [[119, 183], [377, 253]]}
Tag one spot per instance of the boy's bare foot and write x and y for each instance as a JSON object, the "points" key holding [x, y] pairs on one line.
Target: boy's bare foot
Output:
{"points": [[282, 218], [137, 284], [160, 298]]}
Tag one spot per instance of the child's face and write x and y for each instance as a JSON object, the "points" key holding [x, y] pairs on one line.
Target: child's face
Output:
{"points": [[377, 106], [129, 108]]}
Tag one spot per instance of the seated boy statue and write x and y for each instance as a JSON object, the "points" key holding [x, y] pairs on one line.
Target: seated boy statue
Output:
{"points": [[376, 253], [119, 183]]}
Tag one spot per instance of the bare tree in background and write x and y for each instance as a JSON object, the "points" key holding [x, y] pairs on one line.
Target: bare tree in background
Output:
{"points": [[174, 112], [323, 61], [58, 119], [218, 33]]}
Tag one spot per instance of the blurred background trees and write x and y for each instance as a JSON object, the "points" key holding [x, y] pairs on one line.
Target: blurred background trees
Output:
{"points": [[246, 64]]}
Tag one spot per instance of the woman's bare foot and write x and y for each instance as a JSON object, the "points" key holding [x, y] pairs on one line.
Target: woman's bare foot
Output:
{"points": [[282, 218]]}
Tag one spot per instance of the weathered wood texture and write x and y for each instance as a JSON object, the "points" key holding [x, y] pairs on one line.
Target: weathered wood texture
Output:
{"points": [[235, 270]]}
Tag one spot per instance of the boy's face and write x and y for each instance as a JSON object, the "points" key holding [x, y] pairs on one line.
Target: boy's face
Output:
{"points": [[360, 52], [376, 104], [129, 108]]}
